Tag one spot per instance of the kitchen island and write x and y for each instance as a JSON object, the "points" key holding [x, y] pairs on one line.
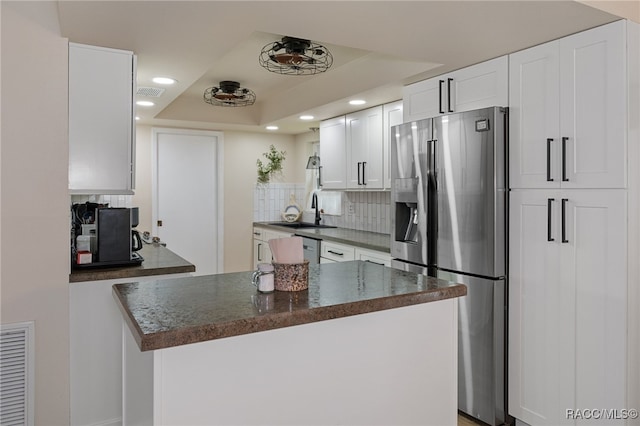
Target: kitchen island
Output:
{"points": [[365, 344]]}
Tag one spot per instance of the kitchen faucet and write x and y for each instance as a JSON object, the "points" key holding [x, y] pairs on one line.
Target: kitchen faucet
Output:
{"points": [[314, 205]]}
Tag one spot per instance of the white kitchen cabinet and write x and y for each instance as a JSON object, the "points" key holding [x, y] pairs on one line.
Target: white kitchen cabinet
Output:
{"points": [[95, 341], [101, 120], [478, 86], [261, 250], [567, 303], [568, 112], [333, 153], [365, 151], [392, 116], [336, 252], [373, 256]]}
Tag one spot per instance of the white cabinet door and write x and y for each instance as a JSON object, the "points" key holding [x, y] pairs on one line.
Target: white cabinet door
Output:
{"points": [[567, 302], [593, 105], [568, 112], [534, 307], [261, 252], [475, 87], [478, 86], [364, 140], [333, 153], [392, 116], [594, 299], [534, 117], [101, 111], [422, 99]]}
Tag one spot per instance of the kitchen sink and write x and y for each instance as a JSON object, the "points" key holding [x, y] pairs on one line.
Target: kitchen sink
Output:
{"points": [[299, 225]]}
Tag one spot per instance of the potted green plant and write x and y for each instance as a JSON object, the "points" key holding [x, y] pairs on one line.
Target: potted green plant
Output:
{"points": [[272, 167]]}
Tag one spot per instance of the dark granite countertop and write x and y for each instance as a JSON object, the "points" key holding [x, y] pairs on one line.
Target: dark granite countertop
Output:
{"points": [[158, 260], [363, 239], [173, 312]]}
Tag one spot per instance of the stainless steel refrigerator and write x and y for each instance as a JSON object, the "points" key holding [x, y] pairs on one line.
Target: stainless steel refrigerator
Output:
{"points": [[449, 219]]}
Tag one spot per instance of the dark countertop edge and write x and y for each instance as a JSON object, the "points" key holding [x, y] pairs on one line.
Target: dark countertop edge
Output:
{"points": [[319, 236], [163, 340], [104, 274], [173, 264]]}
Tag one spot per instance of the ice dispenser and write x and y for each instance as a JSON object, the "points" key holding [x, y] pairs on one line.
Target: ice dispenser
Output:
{"points": [[412, 153]]}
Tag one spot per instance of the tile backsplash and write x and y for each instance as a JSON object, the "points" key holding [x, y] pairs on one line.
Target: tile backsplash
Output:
{"points": [[364, 211], [112, 200]]}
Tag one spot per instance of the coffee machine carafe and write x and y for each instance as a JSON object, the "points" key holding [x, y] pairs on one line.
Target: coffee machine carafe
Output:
{"points": [[136, 241]]}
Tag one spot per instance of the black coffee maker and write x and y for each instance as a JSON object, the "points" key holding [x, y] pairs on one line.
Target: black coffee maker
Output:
{"points": [[117, 241]]}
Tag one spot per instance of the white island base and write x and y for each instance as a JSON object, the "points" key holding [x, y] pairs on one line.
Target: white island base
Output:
{"points": [[391, 367]]}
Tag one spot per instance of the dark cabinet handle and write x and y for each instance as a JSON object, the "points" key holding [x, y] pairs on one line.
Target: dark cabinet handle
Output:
{"points": [[549, 201], [440, 83], [320, 177], [375, 263], [336, 253], [449, 80], [549, 178], [564, 160], [259, 255], [564, 220], [359, 182], [364, 180]]}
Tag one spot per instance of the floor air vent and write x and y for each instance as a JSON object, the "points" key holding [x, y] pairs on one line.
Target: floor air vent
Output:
{"points": [[16, 374]]}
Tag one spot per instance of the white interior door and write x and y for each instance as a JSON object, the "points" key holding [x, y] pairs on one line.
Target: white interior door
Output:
{"points": [[187, 195]]}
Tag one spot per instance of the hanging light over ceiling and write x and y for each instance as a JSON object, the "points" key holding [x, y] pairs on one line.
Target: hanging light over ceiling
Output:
{"points": [[229, 94], [295, 56]]}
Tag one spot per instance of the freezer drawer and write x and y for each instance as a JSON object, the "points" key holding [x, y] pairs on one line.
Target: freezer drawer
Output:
{"points": [[481, 347]]}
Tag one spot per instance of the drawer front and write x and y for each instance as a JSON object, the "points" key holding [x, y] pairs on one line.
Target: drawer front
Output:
{"points": [[373, 256], [337, 252]]}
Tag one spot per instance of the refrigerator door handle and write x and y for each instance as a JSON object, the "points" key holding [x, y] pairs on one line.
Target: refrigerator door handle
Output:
{"points": [[549, 178], [449, 80], [564, 220], [564, 159], [549, 208], [440, 83]]}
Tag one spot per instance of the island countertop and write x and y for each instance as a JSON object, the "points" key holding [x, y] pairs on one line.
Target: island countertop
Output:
{"points": [[174, 312]]}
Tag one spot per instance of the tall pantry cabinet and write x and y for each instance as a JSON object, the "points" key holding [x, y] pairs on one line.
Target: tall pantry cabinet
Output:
{"points": [[574, 339]]}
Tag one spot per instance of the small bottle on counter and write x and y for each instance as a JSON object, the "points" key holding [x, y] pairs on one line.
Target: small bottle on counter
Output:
{"points": [[263, 278]]}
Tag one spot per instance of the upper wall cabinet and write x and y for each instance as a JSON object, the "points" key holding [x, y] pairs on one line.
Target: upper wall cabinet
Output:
{"points": [[333, 153], [365, 149], [392, 116], [354, 149], [101, 120], [478, 86], [568, 112]]}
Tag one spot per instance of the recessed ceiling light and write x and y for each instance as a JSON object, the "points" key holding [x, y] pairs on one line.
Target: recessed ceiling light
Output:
{"points": [[164, 80], [357, 102], [306, 117], [272, 127], [145, 103], [137, 118]]}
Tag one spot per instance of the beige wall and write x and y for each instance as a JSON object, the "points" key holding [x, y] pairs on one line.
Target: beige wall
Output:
{"points": [[34, 198], [629, 9], [241, 150]]}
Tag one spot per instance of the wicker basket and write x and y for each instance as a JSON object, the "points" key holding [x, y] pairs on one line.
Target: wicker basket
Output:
{"points": [[291, 276]]}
